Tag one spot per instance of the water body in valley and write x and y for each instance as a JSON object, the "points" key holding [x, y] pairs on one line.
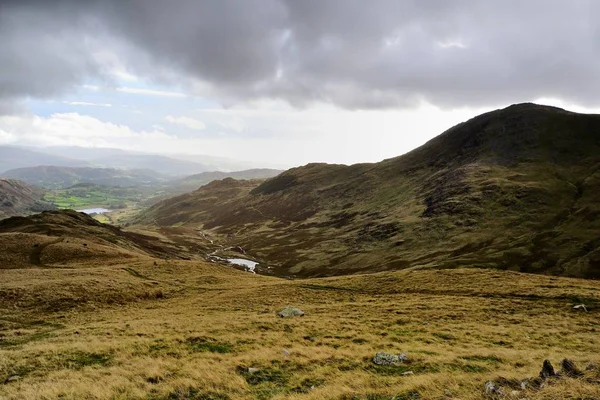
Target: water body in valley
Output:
{"points": [[94, 210]]}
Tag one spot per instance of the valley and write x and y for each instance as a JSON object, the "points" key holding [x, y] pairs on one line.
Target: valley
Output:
{"points": [[512, 189], [462, 260], [299, 200]]}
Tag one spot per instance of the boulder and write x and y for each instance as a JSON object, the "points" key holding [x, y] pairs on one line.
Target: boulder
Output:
{"points": [[290, 312], [490, 389], [389, 359], [547, 370], [568, 368]]}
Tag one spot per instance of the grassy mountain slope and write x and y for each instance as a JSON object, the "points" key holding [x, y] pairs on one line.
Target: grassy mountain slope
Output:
{"points": [[68, 238], [18, 198], [510, 189], [53, 177], [143, 328], [90, 311]]}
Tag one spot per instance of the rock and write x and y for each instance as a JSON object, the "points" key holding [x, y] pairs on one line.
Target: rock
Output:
{"points": [[253, 370], [407, 373], [290, 312], [580, 307], [389, 359], [13, 378], [547, 370], [591, 367], [491, 389], [569, 368]]}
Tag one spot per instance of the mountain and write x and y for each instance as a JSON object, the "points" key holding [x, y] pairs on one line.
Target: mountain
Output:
{"points": [[16, 157], [162, 164], [53, 177], [193, 182], [513, 189], [17, 198]]}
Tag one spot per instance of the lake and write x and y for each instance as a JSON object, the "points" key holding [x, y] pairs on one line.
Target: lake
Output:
{"points": [[248, 264], [94, 210]]}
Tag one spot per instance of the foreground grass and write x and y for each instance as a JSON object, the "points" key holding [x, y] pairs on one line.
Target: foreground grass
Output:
{"points": [[191, 330]]}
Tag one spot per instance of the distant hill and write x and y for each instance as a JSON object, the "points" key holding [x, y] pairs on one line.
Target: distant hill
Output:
{"points": [[193, 182], [19, 198], [161, 164], [53, 177], [515, 189], [16, 157]]}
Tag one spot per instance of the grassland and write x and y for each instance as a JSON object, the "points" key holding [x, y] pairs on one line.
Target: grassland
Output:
{"points": [[89, 196], [153, 329]]}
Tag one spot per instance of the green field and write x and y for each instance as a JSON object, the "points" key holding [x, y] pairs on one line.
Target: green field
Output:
{"points": [[87, 196]]}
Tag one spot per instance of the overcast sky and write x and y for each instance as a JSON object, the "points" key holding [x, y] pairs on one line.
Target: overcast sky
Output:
{"points": [[284, 82]]}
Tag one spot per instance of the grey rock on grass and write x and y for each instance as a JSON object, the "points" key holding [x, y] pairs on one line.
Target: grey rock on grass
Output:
{"points": [[389, 359], [290, 312]]}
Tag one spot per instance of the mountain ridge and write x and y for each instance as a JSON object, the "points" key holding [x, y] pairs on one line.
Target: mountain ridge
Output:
{"points": [[527, 171]]}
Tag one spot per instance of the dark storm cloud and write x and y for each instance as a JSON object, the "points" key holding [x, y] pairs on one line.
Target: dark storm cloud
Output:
{"points": [[353, 53]]}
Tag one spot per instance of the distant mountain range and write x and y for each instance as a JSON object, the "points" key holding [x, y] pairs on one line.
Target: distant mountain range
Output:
{"points": [[513, 189], [12, 157], [16, 157]]}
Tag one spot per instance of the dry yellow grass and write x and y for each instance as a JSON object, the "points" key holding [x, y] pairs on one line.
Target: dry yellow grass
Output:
{"points": [[188, 330]]}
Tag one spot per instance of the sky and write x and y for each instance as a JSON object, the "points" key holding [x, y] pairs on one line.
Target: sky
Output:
{"points": [[284, 82]]}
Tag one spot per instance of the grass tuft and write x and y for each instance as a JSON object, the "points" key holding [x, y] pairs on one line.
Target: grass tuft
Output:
{"points": [[201, 344]]}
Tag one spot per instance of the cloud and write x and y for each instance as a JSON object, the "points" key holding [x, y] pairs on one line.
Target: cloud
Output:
{"points": [[85, 103], [72, 129], [140, 91], [150, 92], [187, 122], [351, 53]]}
